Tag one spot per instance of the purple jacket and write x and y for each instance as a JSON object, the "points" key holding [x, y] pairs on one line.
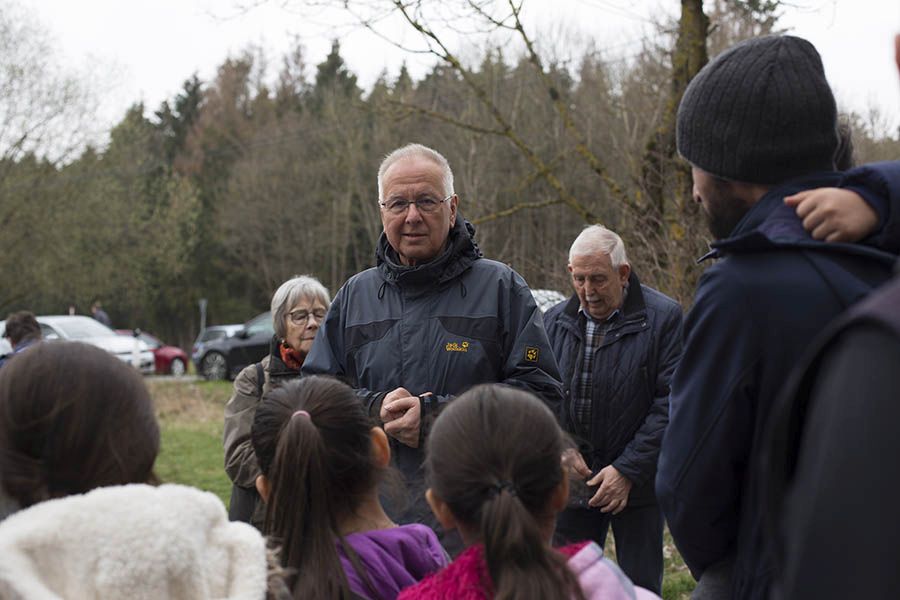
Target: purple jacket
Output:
{"points": [[393, 559]]}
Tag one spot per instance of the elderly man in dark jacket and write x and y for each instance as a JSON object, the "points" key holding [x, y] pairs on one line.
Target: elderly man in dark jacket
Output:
{"points": [[432, 319], [758, 124], [617, 343]]}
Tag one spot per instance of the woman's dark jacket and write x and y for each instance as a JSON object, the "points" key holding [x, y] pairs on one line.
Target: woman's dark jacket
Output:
{"points": [[240, 461], [631, 373]]}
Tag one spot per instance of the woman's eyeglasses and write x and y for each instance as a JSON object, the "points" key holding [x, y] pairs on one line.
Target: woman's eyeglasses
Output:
{"points": [[301, 315]]}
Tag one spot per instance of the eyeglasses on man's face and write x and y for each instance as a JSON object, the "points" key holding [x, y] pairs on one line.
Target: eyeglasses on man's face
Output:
{"points": [[425, 204], [300, 316]]}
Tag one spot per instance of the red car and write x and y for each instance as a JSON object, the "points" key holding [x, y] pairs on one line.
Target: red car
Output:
{"points": [[170, 360]]}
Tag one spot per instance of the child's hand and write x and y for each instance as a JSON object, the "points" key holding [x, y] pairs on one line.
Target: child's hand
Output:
{"points": [[834, 214]]}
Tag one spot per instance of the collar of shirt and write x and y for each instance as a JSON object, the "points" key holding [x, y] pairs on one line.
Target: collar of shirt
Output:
{"points": [[611, 317]]}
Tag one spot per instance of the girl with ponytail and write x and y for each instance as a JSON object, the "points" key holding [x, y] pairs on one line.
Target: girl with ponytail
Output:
{"points": [[321, 462], [493, 465]]}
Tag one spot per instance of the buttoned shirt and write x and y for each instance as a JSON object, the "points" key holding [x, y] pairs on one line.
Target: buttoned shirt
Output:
{"points": [[594, 332]]}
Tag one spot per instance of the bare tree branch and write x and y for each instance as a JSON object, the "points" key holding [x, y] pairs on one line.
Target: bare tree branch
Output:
{"points": [[445, 54], [514, 209], [563, 111], [439, 116]]}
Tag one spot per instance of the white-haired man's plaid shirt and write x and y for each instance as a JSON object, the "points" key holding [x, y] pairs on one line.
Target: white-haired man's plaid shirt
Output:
{"points": [[594, 332]]}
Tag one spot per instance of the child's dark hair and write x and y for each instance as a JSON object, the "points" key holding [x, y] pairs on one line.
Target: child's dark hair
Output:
{"points": [[72, 418], [494, 458], [312, 440]]}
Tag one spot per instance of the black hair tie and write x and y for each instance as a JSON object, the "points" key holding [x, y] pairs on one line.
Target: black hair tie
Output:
{"points": [[503, 486]]}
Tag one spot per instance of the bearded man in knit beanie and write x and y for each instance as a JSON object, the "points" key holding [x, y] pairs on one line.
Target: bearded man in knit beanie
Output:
{"points": [[757, 124]]}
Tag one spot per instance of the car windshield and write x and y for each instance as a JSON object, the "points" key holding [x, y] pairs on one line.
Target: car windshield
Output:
{"points": [[260, 324], [150, 340], [79, 329], [212, 334]]}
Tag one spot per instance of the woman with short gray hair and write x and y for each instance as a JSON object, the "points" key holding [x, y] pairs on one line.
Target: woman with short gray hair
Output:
{"points": [[298, 307]]}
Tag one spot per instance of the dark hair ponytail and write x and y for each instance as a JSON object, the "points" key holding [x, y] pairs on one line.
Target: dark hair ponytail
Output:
{"points": [[494, 458], [320, 466]]}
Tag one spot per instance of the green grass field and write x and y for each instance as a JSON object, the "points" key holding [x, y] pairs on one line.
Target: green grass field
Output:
{"points": [[190, 415]]}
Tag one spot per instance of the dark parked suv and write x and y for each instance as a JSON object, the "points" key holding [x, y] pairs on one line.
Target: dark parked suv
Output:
{"points": [[225, 358]]}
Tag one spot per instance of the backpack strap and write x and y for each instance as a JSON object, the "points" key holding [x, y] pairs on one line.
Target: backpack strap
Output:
{"points": [[260, 380]]}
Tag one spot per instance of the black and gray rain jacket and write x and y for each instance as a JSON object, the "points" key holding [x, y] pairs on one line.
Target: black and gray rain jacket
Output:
{"points": [[440, 327]]}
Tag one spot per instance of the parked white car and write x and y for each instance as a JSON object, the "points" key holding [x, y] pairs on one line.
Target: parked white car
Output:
{"points": [[5, 348], [547, 299], [85, 329]]}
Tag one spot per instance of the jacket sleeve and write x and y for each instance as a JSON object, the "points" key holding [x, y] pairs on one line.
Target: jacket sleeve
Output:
{"points": [[529, 361], [240, 461], [639, 458], [328, 356], [705, 448], [557, 339], [879, 185]]}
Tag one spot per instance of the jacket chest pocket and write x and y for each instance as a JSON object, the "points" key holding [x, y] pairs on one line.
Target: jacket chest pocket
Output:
{"points": [[471, 348], [369, 357]]}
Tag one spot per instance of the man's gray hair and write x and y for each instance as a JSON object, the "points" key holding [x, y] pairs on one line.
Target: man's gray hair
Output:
{"points": [[416, 151], [290, 293], [597, 239]]}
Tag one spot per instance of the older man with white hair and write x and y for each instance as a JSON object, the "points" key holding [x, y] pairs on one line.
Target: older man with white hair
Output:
{"points": [[432, 318], [617, 343]]}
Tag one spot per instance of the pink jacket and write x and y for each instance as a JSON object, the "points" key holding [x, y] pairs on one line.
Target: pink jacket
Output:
{"points": [[601, 579], [466, 578]]}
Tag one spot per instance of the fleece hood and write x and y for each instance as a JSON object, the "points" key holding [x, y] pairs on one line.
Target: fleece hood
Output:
{"points": [[393, 558], [132, 541]]}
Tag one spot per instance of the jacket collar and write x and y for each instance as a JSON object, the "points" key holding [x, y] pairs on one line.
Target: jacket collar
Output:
{"points": [[461, 251], [634, 301], [277, 368], [771, 224]]}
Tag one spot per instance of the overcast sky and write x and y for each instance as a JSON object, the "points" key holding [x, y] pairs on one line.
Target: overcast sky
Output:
{"points": [[144, 50]]}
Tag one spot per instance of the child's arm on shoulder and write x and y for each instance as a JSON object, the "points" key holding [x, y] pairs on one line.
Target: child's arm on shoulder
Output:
{"points": [[866, 204], [834, 214]]}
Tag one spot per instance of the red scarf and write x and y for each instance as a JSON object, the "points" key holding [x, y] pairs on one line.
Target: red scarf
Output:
{"points": [[292, 359]]}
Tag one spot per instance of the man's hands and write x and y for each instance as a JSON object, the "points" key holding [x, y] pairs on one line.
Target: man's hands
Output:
{"points": [[401, 413], [574, 464], [834, 214], [612, 495]]}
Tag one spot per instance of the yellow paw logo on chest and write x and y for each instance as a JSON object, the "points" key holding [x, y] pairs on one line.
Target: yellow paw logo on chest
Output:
{"points": [[531, 354], [457, 347]]}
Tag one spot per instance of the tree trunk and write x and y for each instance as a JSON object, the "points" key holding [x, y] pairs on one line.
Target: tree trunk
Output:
{"points": [[688, 58]]}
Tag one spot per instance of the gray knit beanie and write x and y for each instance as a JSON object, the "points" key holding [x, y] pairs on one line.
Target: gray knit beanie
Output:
{"points": [[760, 112]]}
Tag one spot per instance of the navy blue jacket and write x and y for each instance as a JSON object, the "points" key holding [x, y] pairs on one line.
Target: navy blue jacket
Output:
{"points": [[879, 185], [631, 374], [755, 312]]}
